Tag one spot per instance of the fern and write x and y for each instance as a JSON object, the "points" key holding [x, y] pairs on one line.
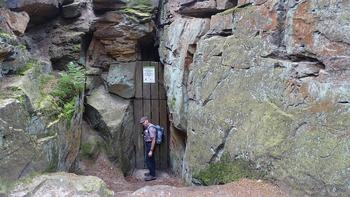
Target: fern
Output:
{"points": [[70, 85]]}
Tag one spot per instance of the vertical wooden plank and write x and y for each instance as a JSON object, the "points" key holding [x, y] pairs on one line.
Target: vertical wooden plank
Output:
{"points": [[154, 86], [139, 138], [163, 120], [138, 113], [155, 109], [146, 86], [155, 120], [138, 80], [161, 85]]}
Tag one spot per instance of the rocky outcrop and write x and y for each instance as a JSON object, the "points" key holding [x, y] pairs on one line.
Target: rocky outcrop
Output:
{"points": [[269, 86], [121, 79], [71, 10], [63, 40], [13, 21], [177, 45], [112, 117], [116, 37], [38, 10], [35, 136], [13, 53], [61, 184]]}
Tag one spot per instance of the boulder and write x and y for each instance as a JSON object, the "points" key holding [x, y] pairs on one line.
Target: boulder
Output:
{"points": [[61, 184], [15, 21], [71, 10], [91, 143], [38, 10], [121, 79], [112, 117]]}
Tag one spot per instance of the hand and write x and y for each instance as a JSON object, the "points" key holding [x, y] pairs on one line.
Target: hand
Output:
{"points": [[150, 153]]}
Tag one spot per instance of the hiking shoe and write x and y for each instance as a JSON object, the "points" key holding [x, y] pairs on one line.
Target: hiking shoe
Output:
{"points": [[150, 178], [147, 174]]}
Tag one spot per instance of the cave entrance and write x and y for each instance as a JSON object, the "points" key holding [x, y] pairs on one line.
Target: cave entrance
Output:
{"points": [[150, 100]]}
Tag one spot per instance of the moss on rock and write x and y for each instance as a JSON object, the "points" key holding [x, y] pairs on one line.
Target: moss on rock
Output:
{"points": [[226, 171]]}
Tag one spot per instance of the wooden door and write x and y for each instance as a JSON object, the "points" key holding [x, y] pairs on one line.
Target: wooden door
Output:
{"points": [[150, 100]]}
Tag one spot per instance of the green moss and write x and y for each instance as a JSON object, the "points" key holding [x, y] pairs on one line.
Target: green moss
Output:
{"points": [[234, 9], [8, 38], [10, 92], [76, 48], [89, 150], [136, 12], [86, 150], [31, 63], [173, 103], [226, 171], [5, 185], [53, 161], [139, 9]]}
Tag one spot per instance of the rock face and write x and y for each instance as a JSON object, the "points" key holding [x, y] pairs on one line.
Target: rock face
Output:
{"points": [[121, 79], [112, 117], [38, 10], [176, 50], [116, 38], [15, 21], [63, 40], [34, 137], [61, 184], [275, 92]]}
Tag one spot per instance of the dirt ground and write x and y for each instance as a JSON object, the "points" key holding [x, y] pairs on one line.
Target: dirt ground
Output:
{"points": [[114, 178], [171, 185]]}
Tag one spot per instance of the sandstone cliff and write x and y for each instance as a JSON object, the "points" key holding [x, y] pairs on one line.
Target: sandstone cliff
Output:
{"points": [[264, 81]]}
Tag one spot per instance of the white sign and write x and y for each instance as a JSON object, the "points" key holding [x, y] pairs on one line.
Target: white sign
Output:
{"points": [[149, 74]]}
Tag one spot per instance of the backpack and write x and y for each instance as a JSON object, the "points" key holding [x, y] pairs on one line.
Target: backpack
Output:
{"points": [[159, 134]]}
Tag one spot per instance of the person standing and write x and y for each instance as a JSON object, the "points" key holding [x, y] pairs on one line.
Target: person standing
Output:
{"points": [[149, 135]]}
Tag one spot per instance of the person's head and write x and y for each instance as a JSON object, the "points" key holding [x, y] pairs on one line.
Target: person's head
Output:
{"points": [[144, 121]]}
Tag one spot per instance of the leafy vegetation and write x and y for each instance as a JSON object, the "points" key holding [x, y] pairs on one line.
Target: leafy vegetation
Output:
{"points": [[31, 63], [226, 171], [70, 85], [8, 38]]}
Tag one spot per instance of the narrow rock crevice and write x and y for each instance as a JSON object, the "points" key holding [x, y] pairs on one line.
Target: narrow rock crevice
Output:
{"points": [[219, 150], [218, 84], [294, 58]]}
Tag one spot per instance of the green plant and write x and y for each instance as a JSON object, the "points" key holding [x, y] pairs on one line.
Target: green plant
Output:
{"points": [[31, 63], [8, 38], [68, 109], [70, 85], [226, 171]]}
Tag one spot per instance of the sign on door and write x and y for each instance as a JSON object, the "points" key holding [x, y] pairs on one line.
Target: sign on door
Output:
{"points": [[149, 74]]}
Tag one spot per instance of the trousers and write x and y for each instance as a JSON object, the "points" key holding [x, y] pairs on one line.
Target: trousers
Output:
{"points": [[150, 161]]}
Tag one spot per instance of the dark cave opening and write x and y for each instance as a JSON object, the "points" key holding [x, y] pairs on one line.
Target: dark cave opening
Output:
{"points": [[148, 48]]}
